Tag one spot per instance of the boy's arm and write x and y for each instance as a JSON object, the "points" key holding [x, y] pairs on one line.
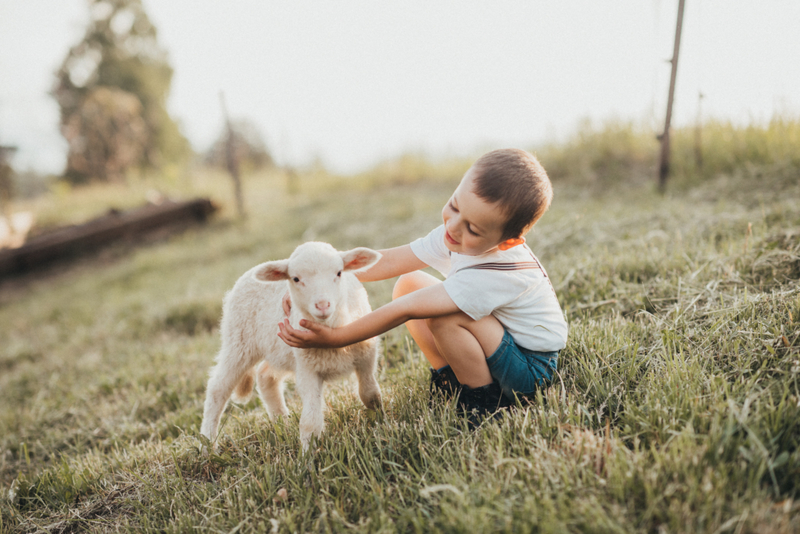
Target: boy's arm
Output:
{"points": [[424, 303], [393, 262]]}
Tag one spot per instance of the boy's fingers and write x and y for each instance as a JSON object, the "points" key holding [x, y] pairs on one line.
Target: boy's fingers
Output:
{"points": [[291, 341], [287, 304], [310, 335], [287, 327], [310, 325], [292, 335], [284, 332], [284, 338]]}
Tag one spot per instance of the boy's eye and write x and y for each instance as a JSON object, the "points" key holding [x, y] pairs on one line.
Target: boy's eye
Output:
{"points": [[452, 207], [471, 231]]}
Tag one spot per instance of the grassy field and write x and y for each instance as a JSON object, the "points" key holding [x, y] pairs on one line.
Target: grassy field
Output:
{"points": [[677, 408]]}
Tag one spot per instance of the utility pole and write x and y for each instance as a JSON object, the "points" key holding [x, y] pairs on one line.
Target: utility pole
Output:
{"points": [[663, 167], [232, 158]]}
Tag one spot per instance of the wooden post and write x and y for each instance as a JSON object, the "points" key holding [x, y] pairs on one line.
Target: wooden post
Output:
{"points": [[232, 158], [6, 177], [663, 167]]}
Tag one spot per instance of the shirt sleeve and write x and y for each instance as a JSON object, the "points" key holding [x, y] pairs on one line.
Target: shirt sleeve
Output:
{"points": [[432, 251], [479, 292]]}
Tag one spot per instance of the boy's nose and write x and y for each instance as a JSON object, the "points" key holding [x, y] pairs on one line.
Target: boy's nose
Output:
{"points": [[452, 229]]}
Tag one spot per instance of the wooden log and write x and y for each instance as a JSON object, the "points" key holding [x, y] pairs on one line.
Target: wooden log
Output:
{"points": [[114, 227]]}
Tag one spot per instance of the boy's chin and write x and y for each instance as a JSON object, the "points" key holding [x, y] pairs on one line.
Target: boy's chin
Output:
{"points": [[459, 249], [451, 247]]}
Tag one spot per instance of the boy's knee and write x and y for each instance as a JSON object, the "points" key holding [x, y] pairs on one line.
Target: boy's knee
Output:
{"points": [[436, 324], [401, 287], [453, 320], [410, 282]]}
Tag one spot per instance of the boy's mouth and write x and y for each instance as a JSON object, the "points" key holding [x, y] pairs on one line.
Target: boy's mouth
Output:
{"points": [[450, 239]]}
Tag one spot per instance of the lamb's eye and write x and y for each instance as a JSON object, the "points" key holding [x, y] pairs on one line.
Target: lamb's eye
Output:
{"points": [[339, 273], [295, 279]]}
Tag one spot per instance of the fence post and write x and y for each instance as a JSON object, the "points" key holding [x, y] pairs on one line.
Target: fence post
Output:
{"points": [[664, 161], [232, 158]]}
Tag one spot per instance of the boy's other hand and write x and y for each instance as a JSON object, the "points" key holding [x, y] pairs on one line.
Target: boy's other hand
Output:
{"points": [[287, 304], [316, 336]]}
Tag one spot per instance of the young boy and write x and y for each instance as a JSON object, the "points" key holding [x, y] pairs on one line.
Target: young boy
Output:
{"points": [[494, 327]]}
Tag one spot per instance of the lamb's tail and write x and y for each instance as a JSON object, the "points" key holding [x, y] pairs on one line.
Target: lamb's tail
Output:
{"points": [[244, 389]]}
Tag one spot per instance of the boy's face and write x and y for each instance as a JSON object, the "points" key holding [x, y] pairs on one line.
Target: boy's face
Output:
{"points": [[472, 225]]}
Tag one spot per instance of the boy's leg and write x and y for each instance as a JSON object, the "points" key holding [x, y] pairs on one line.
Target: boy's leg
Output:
{"points": [[454, 339], [466, 343], [418, 328]]}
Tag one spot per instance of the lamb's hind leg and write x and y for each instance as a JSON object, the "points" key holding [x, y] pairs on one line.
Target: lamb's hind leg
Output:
{"points": [[270, 389], [225, 376], [368, 388]]}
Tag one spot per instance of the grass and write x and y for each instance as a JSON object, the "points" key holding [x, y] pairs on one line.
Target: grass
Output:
{"points": [[677, 408], [622, 152]]}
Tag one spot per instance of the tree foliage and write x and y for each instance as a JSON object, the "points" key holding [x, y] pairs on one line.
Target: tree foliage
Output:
{"points": [[107, 134], [112, 89]]}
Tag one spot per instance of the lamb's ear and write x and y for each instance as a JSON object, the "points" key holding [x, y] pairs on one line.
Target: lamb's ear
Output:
{"points": [[359, 259], [272, 271]]}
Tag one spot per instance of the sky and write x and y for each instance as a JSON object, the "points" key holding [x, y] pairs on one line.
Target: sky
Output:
{"points": [[353, 82]]}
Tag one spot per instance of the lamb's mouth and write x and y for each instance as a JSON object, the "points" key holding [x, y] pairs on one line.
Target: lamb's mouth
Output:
{"points": [[323, 318]]}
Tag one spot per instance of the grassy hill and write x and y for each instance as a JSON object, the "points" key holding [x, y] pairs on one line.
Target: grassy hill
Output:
{"points": [[677, 408]]}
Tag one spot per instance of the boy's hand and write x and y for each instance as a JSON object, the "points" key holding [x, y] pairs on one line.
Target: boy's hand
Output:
{"points": [[287, 304], [316, 336]]}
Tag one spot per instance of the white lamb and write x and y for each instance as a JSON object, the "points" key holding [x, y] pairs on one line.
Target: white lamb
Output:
{"points": [[323, 289]]}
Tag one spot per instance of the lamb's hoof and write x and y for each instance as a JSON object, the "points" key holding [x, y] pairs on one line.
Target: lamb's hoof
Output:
{"points": [[277, 416], [310, 444], [206, 445], [372, 403], [309, 436]]}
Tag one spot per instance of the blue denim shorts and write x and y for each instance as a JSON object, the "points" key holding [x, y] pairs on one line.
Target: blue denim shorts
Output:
{"points": [[519, 370]]}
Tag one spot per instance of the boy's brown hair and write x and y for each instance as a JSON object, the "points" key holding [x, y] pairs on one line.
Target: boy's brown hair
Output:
{"points": [[518, 182]]}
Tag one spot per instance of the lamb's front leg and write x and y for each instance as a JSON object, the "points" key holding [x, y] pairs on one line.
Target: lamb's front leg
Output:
{"points": [[312, 419], [368, 388]]}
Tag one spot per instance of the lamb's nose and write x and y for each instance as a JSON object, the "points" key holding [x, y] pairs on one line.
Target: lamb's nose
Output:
{"points": [[323, 305]]}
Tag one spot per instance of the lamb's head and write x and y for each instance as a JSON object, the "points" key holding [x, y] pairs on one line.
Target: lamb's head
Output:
{"points": [[314, 271]]}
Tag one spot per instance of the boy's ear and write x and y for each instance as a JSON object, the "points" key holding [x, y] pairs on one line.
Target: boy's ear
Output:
{"points": [[511, 243], [359, 259], [272, 271]]}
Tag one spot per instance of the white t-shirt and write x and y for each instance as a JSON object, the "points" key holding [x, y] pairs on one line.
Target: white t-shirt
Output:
{"points": [[511, 285]]}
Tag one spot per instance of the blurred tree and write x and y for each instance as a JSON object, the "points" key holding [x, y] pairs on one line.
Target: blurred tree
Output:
{"points": [[250, 150], [6, 176], [107, 134], [118, 61]]}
